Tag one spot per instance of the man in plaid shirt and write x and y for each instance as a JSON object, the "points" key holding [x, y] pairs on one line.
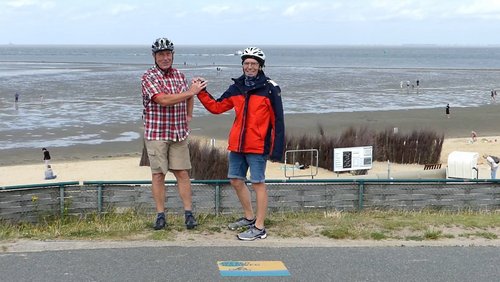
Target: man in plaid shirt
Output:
{"points": [[168, 108]]}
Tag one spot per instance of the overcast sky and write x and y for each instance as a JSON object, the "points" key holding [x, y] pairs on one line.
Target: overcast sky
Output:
{"points": [[339, 22]]}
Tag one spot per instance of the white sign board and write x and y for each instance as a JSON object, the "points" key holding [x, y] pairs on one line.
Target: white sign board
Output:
{"points": [[353, 158]]}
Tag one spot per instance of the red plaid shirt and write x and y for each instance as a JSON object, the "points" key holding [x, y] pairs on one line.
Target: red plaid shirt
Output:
{"points": [[167, 123]]}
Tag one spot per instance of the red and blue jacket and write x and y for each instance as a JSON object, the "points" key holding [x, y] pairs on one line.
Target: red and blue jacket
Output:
{"points": [[259, 125]]}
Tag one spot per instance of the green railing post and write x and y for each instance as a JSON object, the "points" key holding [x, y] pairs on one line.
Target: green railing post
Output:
{"points": [[99, 198], [361, 194], [61, 200], [217, 199]]}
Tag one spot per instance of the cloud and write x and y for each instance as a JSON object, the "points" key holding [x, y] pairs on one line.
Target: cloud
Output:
{"points": [[279, 20], [300, 8], [20, 3], [30, 3], [432, 10], [215, 9], [311, 12], [96, 12], [356, 11], [482, 9], [118, 9], [388, 10]]}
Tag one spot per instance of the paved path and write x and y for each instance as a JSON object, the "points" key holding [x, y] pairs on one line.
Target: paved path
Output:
{"points": [[125, 262]]}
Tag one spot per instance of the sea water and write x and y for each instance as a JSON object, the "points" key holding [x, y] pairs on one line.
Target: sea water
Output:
{"points": [[70, 95]]}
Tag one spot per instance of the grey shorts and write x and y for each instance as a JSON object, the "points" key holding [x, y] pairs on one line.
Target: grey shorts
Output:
{"points": [[168, 155]]}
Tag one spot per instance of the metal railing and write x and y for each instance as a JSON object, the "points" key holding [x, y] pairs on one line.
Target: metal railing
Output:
{"points": [[27, 202], [292, 165]]}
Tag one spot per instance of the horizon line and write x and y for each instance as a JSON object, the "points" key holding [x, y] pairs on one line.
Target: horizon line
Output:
{"points": [[267, 44]]}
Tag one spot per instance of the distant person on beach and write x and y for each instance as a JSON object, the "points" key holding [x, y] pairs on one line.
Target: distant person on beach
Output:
{"points": [[168, 109], [493, 94], [46, 156], [16, 97], [49, 174], [447, 110], [257, 134], [418, 83], [493, 162], [473, 136]]}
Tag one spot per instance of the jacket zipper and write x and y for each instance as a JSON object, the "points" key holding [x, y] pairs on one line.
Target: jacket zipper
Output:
{"points": [[244, 121]]}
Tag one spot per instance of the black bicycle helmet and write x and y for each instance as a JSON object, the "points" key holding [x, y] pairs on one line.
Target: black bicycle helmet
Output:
{"points": [[162, 44]]}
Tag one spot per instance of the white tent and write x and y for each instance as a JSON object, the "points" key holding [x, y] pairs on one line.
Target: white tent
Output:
{"points": [[462, 165]]}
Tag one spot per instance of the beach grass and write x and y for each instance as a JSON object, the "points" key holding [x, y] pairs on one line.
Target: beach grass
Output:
{"points": [[335, 225], [208, 162], [416, 147]]}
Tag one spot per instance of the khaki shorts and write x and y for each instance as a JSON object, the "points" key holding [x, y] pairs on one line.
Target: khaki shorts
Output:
{"points": [[168, 155]]}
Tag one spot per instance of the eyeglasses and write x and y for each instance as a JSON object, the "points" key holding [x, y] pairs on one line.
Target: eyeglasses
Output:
{"points": [[250, 64]]}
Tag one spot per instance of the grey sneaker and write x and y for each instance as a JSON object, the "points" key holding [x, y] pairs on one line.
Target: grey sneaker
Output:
{"points": [[241, 222], [252, 233]]}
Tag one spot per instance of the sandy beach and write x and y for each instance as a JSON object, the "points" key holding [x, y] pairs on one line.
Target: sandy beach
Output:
{"points": [[120, 160]]}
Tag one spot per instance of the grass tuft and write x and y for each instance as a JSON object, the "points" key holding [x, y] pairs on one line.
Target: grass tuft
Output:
{"points": [[378, 236], [433, 234]]}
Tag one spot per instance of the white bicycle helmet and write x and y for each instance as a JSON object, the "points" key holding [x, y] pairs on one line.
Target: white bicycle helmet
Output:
{"points": [[161, 44], [254, 53]]}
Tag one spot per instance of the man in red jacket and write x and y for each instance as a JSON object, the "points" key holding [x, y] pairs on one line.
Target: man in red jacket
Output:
{"points": [[257, 134]]}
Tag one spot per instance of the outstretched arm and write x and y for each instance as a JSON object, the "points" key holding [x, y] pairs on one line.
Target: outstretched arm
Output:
{"points": [[169, 100], [221, 105]]}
